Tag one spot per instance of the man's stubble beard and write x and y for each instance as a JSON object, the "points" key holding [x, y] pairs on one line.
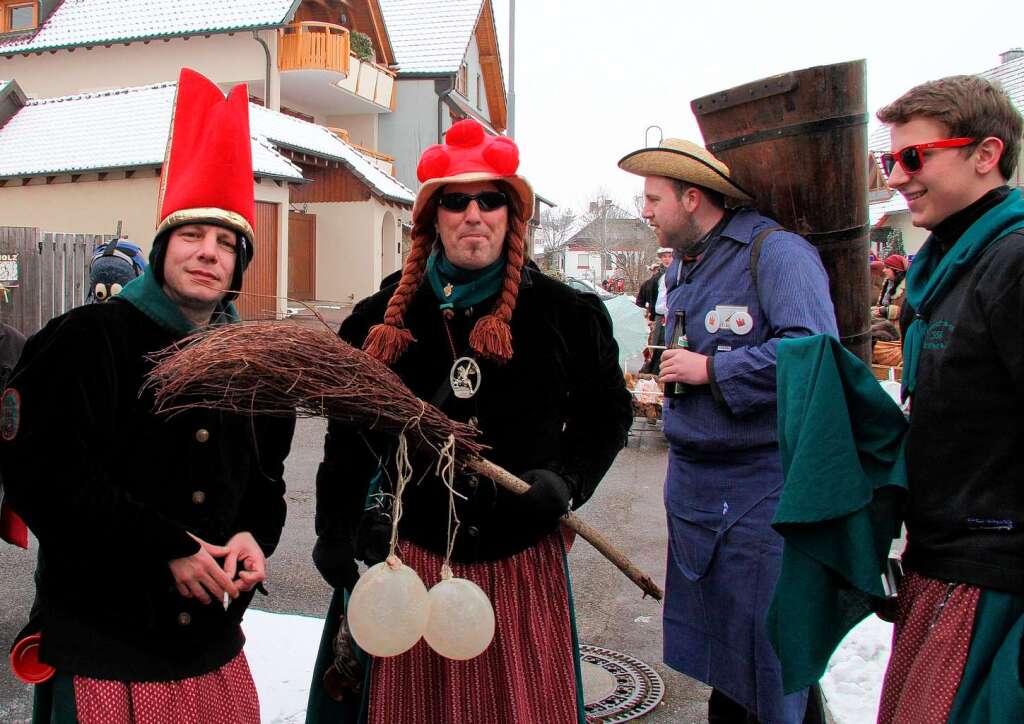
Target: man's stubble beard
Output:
{"points": [[687, 237]]}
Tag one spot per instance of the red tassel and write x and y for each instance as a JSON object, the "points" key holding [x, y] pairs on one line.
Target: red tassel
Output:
{"points": [[492, 338], [387, 343]]}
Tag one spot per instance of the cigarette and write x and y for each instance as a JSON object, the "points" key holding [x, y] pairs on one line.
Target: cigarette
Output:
{"points": [[656, 346]]}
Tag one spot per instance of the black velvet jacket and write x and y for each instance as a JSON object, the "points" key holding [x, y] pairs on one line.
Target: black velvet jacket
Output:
{"points": [[110, 490], [559, 404]]}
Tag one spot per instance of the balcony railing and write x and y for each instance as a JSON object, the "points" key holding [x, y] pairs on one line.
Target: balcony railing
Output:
{"points": [[382, 161], [313, 46]]}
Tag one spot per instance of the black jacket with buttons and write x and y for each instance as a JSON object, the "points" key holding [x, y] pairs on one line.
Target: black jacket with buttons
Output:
{"points": [[112, 490], [559, 404]]}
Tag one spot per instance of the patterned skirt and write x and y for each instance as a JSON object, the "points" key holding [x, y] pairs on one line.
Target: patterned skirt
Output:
{"points": [[225, 696], [934, 622], [527, 675]]}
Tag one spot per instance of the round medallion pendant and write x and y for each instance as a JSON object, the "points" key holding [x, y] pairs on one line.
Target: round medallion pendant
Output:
{"points": [[465, 377]]}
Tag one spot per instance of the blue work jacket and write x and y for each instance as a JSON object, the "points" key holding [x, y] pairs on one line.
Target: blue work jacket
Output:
{"points": [[740, 326]]}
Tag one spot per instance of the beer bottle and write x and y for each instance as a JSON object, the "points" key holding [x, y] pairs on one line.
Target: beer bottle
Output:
{"points": [[679, 340]]}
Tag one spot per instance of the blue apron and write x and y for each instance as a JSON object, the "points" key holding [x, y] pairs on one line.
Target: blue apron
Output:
{"points": [[723, 561]]}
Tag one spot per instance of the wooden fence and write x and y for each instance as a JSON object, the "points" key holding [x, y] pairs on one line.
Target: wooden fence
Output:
{"points": [[43, 274]]}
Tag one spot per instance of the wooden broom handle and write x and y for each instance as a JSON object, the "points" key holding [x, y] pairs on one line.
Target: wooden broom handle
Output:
{"points": [[510, 482]]}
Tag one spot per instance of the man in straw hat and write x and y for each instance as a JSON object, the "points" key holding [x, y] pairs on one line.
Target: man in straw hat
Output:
{"points": [[739, 284], [153, 530], [534, 366]]}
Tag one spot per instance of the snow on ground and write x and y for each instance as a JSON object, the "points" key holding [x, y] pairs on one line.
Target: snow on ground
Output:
{"points": [[853, 681], [281, 649]]}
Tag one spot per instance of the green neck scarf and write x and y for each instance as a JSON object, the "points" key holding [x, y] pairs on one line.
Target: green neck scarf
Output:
{"points": [[145, 294], [930, 276], [459, 288]]}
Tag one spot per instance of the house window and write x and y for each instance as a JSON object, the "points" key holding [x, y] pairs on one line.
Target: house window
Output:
{"points": [[462, 81], [18, 16], [479, 93]]}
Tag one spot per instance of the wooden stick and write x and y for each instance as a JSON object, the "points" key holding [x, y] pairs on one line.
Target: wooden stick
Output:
{"points": [[510, 482]]}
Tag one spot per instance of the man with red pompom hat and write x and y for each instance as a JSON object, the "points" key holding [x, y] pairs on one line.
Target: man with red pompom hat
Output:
{"points": [[153, 530], [491, 341]]}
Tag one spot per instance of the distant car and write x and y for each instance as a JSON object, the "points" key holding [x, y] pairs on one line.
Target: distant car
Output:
{"points": [[582, 285]]}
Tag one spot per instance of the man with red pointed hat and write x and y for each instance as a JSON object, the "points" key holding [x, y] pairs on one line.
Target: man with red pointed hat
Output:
{"points": [[532, 364], [153, 531]]}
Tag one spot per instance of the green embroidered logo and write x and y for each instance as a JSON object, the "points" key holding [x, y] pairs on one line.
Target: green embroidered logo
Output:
{"points": [[10, 414], [938, 334]]}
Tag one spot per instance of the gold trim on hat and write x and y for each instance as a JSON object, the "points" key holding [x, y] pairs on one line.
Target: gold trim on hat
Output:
{"points": [[211, 215]]}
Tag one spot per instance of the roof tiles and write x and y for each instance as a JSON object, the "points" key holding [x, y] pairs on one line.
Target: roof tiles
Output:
{"points": [[94, 22], [430, 36]]}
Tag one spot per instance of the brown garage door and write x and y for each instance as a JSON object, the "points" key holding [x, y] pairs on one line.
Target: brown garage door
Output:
{"points": [[260, 282], [301, 256]]}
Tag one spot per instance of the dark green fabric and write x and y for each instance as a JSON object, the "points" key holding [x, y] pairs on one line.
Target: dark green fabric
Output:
{"points": [[581, 712], [320, 708], [933, 273], [468, 286], [53, 702], [990, 689], [841, 443], [146, 295]]}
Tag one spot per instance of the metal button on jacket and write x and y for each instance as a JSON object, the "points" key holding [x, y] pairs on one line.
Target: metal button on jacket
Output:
{"points": [[199, 497], [473, 531], [184, 619], [202, 435]]}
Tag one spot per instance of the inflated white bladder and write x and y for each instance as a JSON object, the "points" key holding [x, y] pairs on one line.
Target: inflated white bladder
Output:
{"points": [[388, 609], [461, 623]]}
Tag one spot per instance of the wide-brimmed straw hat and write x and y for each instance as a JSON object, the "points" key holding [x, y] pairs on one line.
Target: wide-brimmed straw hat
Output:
{"points": [[686, 161]]}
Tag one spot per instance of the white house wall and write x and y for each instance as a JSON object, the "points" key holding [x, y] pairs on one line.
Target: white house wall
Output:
{"points": [[405, 133], [362, 128], [226, 59], [473, 71]]}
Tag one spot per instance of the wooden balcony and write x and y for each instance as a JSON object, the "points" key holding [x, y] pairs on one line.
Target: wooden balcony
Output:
{"points": [[370, 81], [382, 161], [313, 46]]}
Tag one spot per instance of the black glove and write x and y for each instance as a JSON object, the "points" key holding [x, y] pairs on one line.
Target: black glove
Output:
{"points": [[545, 502], [334, 558]]}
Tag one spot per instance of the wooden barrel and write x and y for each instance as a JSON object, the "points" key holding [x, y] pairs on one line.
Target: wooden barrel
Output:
{"points": [[798, 143]]}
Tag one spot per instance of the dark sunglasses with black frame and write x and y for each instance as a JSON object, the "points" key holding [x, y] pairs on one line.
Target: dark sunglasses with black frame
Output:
{"points": [[486, 200]]}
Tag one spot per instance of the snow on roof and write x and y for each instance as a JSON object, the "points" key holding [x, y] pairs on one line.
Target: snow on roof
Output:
{"points": [[895, 205], [300, 135], [3, 85], [124, 128], [94, 22], [430, 36]]}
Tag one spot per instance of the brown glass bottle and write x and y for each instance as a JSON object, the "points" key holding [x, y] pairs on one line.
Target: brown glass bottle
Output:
{"points": [[679, 340]]}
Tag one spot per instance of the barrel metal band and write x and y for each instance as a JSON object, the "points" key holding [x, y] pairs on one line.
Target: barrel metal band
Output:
{"points": [[836, 237], [807, 127]]}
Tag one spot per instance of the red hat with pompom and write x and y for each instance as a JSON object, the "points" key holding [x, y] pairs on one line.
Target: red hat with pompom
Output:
{"points": [[468, 155]]}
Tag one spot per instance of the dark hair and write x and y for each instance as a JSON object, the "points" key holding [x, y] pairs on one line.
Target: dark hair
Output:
{"points": [[716, 198], [967, 105]]}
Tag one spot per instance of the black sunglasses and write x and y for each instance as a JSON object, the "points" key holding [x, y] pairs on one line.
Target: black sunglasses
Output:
{"points": [[486, 200]]}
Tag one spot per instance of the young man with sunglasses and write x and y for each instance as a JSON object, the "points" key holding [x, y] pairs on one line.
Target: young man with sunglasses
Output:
{"points": [[533, 365], [957, 652]]}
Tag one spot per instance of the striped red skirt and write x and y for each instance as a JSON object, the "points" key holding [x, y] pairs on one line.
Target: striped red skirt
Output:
{"points": [[934, 623], [224, 696], [528, 673]]}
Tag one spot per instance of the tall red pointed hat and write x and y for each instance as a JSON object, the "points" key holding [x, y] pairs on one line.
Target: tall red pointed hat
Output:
{"points": [[207, 175]]}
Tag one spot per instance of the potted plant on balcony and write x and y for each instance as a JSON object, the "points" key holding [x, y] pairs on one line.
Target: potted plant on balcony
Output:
{"points": [[362, 46]]}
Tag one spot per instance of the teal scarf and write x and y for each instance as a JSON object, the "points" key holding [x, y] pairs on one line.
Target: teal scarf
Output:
{"points": [[145, 294], [930, 277], [459, 288]]}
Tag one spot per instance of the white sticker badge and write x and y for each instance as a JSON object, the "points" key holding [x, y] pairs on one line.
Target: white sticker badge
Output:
{"points": [[712, 322], [741, 323]]}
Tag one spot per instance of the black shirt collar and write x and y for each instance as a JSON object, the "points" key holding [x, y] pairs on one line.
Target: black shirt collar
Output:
{"points": [[949, 230]]}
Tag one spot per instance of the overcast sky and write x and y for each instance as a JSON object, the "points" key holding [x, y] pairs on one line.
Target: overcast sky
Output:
{"points": [[591, 75]]}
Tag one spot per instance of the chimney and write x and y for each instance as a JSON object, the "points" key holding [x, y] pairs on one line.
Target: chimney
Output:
{"points": [[1011, 54], [593, 207]]}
